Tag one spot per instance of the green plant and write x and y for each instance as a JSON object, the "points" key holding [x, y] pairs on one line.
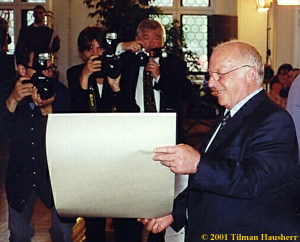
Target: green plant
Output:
{"points": [[122, 16], [175, 40]]}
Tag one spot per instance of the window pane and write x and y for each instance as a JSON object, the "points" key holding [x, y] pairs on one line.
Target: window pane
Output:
{"points": [[195, 3], [165, 19], [6, 1], [30, 18], [195, 34], [161, 3], [4, 14]]}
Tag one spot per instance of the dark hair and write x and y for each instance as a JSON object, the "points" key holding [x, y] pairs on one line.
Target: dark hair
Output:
{"points": [[24, 56], [269, 72], [284, 67], [39, 7], [89, 34]]}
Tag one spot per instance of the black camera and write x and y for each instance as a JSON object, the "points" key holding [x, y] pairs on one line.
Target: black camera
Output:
{"points": [[44, 84], [143, 56], [111, 63]]}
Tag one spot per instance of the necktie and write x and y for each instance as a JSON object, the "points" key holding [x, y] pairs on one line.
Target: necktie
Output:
{"points": [[224, 120], [149, 101], [216, 132]]}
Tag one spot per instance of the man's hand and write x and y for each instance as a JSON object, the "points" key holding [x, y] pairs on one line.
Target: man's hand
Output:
{"points": [[20, 91], [157, 225], [153, 68], [134, 46], [90, 67], [114, 83], [181, 159], [45, 105]]}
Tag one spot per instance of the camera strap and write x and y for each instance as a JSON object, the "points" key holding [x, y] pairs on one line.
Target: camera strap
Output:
{"points": [[92, 97]]}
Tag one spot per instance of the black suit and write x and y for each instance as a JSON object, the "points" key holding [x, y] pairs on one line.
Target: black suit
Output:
{"points": [[174, 88], [33, 38], [173, 85], [80, 98], [248, 180]]}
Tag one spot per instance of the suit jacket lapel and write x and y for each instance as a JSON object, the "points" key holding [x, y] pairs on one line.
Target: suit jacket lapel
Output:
{"points": [[236, 121]]}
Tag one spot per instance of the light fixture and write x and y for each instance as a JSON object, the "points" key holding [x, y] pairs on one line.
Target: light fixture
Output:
{"points": [[288, 2], [263, 5]]}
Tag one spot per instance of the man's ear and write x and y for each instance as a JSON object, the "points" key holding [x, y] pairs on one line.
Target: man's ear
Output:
{"points": [[251, 74], [21, 70]]}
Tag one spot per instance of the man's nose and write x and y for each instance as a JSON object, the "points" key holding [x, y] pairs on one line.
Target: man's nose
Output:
{"points": [[95, 51], [48, 73], [211, 81], [151, 42]]}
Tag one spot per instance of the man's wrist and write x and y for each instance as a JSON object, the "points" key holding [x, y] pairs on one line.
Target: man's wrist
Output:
{"points": [[11, 104], [46, 110]]}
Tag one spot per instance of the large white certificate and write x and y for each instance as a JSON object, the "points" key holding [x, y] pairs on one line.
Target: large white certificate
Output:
{"points": [[101, 164]]}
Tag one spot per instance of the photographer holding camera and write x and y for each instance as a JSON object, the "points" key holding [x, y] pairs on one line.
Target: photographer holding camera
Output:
{"points": [[154, 81], [24, 112], [94, 87]]}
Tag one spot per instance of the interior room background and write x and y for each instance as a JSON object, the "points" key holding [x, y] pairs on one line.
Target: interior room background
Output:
{"points": [[277, 29]]}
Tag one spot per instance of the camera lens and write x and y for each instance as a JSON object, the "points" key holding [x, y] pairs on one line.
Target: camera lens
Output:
{"points": [[142, 58]]}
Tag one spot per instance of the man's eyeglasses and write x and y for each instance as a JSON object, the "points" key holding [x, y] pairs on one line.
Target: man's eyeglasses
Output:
{"points": [[51, 68], [217, 76]]}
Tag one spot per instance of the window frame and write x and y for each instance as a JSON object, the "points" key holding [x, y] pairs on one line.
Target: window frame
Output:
{"points": [[177, 10]]}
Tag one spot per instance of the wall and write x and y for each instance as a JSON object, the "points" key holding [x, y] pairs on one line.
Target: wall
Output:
{"points": [[252, 25], [283, 34], [285, 31], [71, 16], [225, 7]]}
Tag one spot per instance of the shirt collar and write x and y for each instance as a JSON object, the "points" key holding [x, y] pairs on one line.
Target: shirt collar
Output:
{"points": [[238, 106]]}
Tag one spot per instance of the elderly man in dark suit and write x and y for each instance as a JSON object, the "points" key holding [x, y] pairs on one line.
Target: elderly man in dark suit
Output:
{"points": [[245, 179]]}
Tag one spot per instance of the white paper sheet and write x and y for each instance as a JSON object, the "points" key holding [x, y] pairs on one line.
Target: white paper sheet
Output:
{"points": [[101, 164]]}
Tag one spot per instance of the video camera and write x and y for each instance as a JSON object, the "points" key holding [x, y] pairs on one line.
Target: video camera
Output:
{"points": [[111, 63], [44, 84], [143, 56]]}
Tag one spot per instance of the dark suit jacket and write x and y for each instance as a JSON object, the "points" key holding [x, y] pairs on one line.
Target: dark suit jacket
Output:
{"points": [[248, 180], [35, 39], [80, 98], [173, 85]]}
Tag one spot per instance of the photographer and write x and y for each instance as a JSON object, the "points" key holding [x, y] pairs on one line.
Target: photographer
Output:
{"points": [[25, 115], [154, 81], [37, 35], [91, 89]]}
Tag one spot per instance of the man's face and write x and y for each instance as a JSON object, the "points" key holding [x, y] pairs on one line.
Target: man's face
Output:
{"points": [[48, 72], [151, 38], [95, 49], [233, 87], [38, 15]]}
